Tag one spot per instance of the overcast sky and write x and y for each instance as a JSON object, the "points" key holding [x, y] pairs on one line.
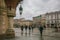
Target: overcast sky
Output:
{"points": [[33, 8]]}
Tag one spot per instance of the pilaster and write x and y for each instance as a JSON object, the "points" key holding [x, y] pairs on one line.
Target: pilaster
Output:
{"points": [[10, 31]]}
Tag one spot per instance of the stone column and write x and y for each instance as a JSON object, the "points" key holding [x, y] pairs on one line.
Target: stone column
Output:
{"points": [[10, 31], [3, 18]]}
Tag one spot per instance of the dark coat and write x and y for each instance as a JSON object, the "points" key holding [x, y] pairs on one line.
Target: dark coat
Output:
{"points": [[41, 28]]}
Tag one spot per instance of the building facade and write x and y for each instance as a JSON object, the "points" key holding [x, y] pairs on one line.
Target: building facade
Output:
{"points": [[53, 19], [26, 22], [23, 22], [39, 20]]}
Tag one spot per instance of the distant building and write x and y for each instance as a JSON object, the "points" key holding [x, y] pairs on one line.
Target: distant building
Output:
{"points": [[53, 19], [36, 20], [39, 20], [26, 22], [17, 21], [23, 22]]}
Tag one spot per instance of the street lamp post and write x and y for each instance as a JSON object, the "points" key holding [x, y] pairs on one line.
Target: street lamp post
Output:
{"points": [[20, 9]]}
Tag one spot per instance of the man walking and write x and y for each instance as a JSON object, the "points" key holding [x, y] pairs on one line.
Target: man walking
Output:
{"points": [[22, 29], [41, 29], [29, 29], [26, 29]]}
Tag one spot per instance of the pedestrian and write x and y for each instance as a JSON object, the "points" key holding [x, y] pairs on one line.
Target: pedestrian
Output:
{"points": [[29, 29], [22, 29], [56, 29], [32, 28], [41, 29], [26, 29]]}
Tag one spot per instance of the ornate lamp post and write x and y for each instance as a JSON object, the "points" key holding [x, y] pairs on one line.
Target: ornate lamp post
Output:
{"points": [[20, 9]]}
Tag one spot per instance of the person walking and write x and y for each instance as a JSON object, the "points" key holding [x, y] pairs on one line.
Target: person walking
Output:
{"points": [[29, 29], [22, 29], [26, 29], [56, 29], [41, 29], [32, 28]]}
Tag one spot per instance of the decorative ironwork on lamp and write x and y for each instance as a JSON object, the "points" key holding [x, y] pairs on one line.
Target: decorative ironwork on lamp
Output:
{"points": [[20, 9]]}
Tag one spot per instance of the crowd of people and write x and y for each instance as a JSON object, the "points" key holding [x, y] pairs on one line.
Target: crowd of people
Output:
{"points": [[30, 28]]}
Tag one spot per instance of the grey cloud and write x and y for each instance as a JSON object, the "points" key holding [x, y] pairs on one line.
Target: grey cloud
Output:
{"points": [[45, 0], [36, 7]]}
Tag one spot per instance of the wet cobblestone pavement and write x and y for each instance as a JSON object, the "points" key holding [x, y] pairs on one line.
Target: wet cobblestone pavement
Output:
{"points": [[33, 36]]}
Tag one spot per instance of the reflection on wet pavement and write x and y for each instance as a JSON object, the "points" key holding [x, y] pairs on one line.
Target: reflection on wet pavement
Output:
{"points": [[32, 36]]}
